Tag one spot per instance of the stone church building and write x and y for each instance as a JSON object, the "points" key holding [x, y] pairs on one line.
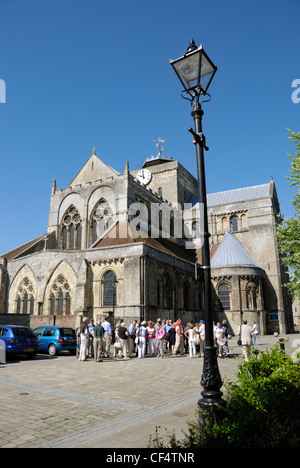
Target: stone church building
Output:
{"points": [[126, 245]]}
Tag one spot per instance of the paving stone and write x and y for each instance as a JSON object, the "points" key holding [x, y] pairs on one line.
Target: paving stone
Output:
{"points": [[66, 403]]}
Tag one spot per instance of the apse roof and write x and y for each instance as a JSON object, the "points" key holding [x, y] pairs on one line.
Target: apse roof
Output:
{"points": [[232, 253]]}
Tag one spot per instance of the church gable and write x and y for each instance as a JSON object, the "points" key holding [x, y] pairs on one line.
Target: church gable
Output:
{"points": [[94, 169]]}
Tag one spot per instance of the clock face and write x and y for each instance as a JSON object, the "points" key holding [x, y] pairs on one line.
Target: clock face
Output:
{"points": [[144, 176]]}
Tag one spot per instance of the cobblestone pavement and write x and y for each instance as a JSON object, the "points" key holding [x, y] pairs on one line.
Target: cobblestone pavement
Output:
{"points": [[61, 402]]}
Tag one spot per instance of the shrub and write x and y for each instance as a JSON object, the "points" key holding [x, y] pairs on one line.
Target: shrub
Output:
{"points": [[262, 410]]}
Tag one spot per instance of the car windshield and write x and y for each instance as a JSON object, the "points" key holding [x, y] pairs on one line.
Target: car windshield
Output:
{"points": [[21, 332], [67, 332]]}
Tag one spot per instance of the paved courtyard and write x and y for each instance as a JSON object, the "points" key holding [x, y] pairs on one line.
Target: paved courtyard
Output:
{"points": [[61, 402]]}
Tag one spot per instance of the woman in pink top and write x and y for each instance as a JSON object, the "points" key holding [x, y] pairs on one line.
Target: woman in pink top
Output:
{"points": [[151, 338], [160, 333]]}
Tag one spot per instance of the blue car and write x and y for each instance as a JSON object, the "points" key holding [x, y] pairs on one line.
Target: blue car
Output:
{"points": [[56, 339], [19, 340]]}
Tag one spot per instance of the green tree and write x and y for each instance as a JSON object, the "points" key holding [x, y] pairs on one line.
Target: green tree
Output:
{"points": [[289, 233]]}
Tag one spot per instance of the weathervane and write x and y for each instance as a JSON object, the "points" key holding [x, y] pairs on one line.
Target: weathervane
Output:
{"points": [[158, 145]]}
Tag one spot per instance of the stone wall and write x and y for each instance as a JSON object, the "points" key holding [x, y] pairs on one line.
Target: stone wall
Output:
{"points": [[34, 321]]}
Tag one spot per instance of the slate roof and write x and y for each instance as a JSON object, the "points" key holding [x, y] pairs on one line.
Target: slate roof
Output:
{"points": [[236, 195], [241, 194], [232, 253], [21, 250], [113, 239]]}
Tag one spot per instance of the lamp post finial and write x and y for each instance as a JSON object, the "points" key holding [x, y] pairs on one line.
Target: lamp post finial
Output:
{"points": [[192, 46]]}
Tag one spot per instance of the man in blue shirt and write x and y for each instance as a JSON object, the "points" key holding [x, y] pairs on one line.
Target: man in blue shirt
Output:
{"points": [[91, 327], [131, 337], [107, 336]]}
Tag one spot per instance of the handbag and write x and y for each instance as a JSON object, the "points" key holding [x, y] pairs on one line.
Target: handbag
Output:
{"points": [[239, 342], [117, 345]]}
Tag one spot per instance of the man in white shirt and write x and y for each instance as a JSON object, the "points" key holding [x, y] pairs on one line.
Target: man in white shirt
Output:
{"points": [[202, 337], [107, 337], [246, 338]]}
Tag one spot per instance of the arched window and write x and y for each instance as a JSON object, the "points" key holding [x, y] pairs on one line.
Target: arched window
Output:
{"points": [[172, 227], [224, 296], [234, 227], [72, 235], [19, 302], [64, 235], [25, 302], [101, 220], [243, 221], [224, 223], [25, 298], [52, 304], [68, 304], [60, 298], [60, 305], [167, 293], [78, 236], [71, 230], [109, 289], [31, 305], [94, 232]]}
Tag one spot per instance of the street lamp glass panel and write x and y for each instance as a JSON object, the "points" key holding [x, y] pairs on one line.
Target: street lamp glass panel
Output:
{"points": [[207, 73], [195, 71], [188, 70]]}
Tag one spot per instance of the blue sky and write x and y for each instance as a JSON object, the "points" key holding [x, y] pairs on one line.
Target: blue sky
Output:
{"points": [[86, 73]]}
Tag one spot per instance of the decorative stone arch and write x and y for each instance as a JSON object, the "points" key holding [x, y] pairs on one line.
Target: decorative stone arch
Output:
{"points": [[22, 297], [101, 219], [60, 292], [106, 193], [74, 199]]}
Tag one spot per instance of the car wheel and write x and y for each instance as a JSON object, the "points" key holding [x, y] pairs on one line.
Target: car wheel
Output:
{"points": [[52, 350]]}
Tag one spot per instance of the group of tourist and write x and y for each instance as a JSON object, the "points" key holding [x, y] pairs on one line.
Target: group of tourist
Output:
{"points": [[139, 339], [156, 339]]}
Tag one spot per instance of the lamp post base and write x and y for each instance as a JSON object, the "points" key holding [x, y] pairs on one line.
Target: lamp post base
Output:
{"points": [[211, 380]]}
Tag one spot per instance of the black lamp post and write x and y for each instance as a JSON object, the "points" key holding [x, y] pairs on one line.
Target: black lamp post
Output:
{"points": [[196, 71]]}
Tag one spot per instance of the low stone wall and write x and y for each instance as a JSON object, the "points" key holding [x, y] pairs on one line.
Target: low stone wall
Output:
{"points": [[34, 321]]}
